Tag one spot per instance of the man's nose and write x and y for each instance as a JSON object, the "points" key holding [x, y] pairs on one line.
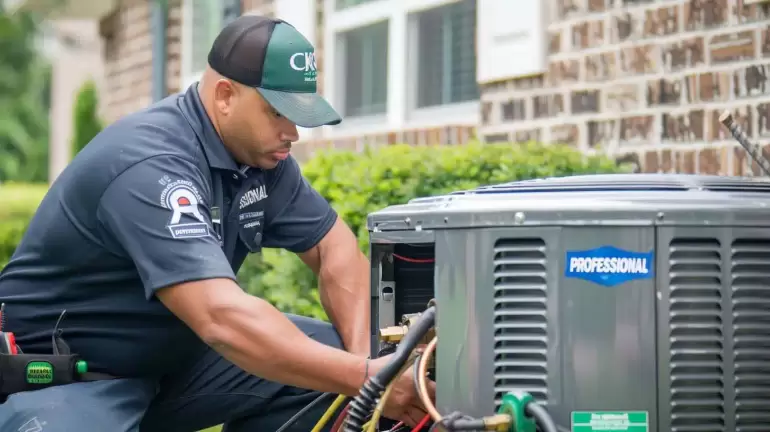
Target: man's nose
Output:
{"points": [[289, 132]]}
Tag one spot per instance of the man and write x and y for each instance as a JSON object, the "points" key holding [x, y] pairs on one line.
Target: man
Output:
{"points": [[140, 238]]}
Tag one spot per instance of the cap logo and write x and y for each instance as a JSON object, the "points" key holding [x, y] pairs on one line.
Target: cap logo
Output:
{"points": [[304, 62]]}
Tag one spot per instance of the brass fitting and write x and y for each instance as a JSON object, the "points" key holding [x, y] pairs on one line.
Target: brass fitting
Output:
{"points": [[393, 334], [497, 423]]}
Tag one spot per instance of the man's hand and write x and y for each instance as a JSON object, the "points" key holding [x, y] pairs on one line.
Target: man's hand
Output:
{"points": [[404, 403]]}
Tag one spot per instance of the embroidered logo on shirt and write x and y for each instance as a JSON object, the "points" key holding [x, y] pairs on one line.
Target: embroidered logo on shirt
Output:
{"points": [[254, 195], [183, 199]]}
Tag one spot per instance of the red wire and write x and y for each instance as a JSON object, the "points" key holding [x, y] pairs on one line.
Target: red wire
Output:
{"points": [[337, 426], [414, 260], [340, 419], [422, 423]]}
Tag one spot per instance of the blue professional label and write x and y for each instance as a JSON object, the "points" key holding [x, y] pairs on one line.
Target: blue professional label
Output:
{"points": [[609, 266]]}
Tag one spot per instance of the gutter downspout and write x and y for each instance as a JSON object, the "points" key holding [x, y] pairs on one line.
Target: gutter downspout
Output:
{"points": [[159, 24]]}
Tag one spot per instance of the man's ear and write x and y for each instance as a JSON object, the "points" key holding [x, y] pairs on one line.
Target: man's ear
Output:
{"points": [[225, 93]]}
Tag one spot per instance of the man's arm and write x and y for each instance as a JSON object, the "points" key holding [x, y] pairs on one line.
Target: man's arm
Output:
{"points": [[343, 276], [300, 220], [259, 339], [157, 214]]}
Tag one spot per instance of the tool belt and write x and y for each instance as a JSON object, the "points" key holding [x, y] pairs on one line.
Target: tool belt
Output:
{"points": [[20, 372]]}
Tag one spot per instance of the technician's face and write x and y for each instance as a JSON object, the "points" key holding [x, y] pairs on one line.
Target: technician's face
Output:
{"points": [[251, 129]]}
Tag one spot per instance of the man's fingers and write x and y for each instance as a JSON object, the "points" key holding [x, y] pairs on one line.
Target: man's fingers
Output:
{"points": [[407, 419], [415, 415]]}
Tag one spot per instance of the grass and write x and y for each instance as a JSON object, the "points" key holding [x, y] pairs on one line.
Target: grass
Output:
{"points": [[213, 429]]}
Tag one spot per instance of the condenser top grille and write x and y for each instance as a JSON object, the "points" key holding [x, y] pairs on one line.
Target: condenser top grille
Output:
{"points": [[597, 183], [626, 183], [652, 199]]}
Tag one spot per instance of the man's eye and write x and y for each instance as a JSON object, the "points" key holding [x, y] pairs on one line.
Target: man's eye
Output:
{"points": [[277, 114]]}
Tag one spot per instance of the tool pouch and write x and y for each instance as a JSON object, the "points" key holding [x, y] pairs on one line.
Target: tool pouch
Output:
{"points": [[21, 372], [26, 372]]}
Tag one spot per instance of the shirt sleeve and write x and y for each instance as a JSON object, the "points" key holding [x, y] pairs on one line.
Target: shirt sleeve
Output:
{"points": [[157, 214], [297, 217]]}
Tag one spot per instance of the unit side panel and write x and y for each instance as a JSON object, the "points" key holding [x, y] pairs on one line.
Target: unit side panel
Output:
{"points": [[496, 290]]}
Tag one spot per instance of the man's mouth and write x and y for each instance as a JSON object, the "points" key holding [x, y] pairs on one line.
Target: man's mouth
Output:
{"points": [[282, 154]]}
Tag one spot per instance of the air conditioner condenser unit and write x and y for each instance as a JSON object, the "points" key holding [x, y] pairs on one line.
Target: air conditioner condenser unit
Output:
{"points": [[623, 302]]}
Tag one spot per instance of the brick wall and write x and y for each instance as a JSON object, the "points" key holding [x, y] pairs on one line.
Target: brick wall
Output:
{"points": [[644, 81], [174, 47], [127, 56], [449, 135]]}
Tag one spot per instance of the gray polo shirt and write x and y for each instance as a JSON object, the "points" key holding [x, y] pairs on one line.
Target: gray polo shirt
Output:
{"points": [[154, 200]]}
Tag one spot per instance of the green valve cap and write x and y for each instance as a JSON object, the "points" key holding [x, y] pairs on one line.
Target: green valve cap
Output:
{"points": [[515, 405], [82, 366]]}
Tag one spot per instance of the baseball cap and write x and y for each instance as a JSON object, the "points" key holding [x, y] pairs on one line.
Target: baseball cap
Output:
{"points": [[276, 59]]}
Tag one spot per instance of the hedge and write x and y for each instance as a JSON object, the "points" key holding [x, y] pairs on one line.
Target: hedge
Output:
{"points": [[17, 205], [356, 184]]}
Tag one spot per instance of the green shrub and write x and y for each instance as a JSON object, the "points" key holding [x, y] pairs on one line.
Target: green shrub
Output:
{"points": [[358, 184], [18, 203], [86, 117]]}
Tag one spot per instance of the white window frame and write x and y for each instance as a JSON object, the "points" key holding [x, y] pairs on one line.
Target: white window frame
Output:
{"points": [[401, 110], [188, 76]]}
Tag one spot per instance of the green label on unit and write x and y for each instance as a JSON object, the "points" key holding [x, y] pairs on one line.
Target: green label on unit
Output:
{"points": [[610, 421], [39, 372]]}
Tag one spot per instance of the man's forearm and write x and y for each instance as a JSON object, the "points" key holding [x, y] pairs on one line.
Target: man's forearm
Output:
{"points": [[259, 339], [344, 290]]}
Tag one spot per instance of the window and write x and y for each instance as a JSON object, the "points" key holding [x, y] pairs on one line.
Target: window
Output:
{"points": [[342, 4], [446, 56], [366, 70], [202, 23]]}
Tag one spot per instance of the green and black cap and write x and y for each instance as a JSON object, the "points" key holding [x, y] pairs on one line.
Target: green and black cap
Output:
{"points": [[273, 57]]}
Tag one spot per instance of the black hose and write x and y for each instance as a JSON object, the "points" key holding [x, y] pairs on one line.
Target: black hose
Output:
{"points": [[361, 405], [457, 421], [542, 418], [289, 423], [467, 425], [364, 403]]}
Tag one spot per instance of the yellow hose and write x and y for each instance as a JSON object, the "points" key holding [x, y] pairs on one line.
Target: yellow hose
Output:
{"points": [[329, 413]]}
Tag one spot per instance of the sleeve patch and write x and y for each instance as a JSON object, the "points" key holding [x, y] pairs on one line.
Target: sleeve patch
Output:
{"points": [[183, 200]]}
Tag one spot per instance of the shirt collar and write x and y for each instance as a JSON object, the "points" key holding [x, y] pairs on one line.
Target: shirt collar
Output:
{"points": [[216, 153]]}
